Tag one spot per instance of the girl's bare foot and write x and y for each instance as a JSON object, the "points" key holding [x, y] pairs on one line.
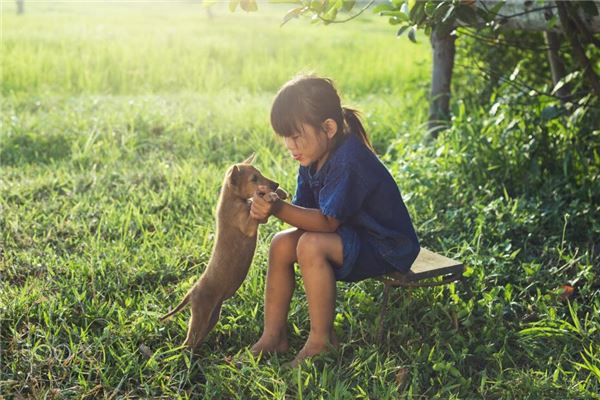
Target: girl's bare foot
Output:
{"points": [[314, 347], [267, 345]]}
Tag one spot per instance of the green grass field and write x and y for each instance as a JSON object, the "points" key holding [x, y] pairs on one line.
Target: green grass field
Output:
{"points": [[117, 125]]}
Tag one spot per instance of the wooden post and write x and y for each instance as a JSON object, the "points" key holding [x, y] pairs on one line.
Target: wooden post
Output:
{"points": [[443, 48], [382, 310]]}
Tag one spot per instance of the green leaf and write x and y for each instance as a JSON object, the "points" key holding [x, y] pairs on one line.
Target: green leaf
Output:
{"points": [[439, 366], [496, 9], [552, 22], [293, 13], [430, 8], [347, 5], [454, 371], [399, 14], [417, 11], [331, 14], [402, 30], [515, 72], [412, 32], [383, 7], [233, 5], [317, 5], [395, 21], [404, 9], [551, 112]]}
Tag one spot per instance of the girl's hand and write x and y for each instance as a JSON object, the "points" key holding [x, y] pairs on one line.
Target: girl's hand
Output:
{"points": [[260, 208]]}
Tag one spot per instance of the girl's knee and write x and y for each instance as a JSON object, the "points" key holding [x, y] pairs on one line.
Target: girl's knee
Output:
{"points": [[309, 247], [284, 245]]}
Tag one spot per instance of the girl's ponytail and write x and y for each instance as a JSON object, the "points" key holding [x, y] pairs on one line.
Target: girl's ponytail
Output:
{"points": [[355, 127]]}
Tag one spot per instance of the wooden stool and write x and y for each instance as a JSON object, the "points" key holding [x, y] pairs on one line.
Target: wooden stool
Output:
{"points": [[428, 265]]}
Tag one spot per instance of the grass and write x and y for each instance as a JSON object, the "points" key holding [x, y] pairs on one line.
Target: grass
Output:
{"points": [[118, 122]]}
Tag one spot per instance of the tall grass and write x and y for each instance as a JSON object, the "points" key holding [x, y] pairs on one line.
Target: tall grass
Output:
{"points": [[176, 47], [117, 124]]}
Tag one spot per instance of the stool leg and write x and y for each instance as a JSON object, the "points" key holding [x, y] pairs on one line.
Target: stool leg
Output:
{"points": [[465, 283], [384, 302]]}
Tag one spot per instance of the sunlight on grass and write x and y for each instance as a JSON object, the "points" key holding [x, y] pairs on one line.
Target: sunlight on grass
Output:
{"points": [[160, 48]]}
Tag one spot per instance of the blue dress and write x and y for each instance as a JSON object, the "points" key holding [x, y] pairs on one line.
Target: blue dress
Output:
{"points": [[354, 187]]}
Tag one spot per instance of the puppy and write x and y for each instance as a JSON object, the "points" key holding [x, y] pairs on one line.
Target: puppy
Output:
{"points": [[232, 252]]}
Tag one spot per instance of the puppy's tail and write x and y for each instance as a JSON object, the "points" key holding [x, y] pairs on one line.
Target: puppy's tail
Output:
{"points": [[179, 307]]}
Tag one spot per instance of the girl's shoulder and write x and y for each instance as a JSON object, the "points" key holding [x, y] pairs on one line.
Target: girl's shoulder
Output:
{"points": [[355, 155], [354, 165], [350, 150]]}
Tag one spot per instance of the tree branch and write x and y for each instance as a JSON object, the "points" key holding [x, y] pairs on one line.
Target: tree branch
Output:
{"points": [[578, 51], [333, 21], [496, 41], [524, 12], [585, 32]]}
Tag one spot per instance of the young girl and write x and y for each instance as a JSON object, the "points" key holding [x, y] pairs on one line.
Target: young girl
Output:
{"points": [[349, 220]]}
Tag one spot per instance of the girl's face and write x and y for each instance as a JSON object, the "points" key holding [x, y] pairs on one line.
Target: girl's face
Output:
{"points": [[312, 145]]}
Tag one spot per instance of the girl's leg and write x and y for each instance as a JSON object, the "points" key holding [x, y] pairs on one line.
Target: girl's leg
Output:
{"points": [[316, 252], [278, 292]]}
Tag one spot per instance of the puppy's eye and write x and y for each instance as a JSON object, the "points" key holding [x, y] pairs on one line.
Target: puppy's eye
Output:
{"points": [[254, 178]]}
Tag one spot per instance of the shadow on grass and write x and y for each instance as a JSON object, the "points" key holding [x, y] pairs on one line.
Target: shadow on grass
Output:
{"points": [[30, 149]]}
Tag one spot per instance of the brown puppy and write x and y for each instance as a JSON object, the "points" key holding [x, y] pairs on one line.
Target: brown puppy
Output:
{"points": [[232, 252]]}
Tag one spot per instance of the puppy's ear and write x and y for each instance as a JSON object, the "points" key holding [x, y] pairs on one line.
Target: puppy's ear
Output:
{"points": [[250, 159], [234, 175]]}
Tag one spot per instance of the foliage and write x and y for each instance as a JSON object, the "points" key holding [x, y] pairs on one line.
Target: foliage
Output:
{"points": [[444, 17], [441, 15]]}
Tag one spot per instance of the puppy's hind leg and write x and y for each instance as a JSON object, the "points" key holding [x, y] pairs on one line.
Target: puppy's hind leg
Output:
{"points": [[215, 317], [200, 321]]}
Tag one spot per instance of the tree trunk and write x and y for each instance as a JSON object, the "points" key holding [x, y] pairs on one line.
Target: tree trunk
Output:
{"points": [[20, 6], [556, 64], [514, 14], [443, 49]]}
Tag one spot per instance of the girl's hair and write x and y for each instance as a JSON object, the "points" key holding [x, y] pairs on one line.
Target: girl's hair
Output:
{"points": [[311, 99]]}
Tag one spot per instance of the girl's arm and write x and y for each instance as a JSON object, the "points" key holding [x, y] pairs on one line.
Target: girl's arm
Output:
{"points": [[308, 219]]}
